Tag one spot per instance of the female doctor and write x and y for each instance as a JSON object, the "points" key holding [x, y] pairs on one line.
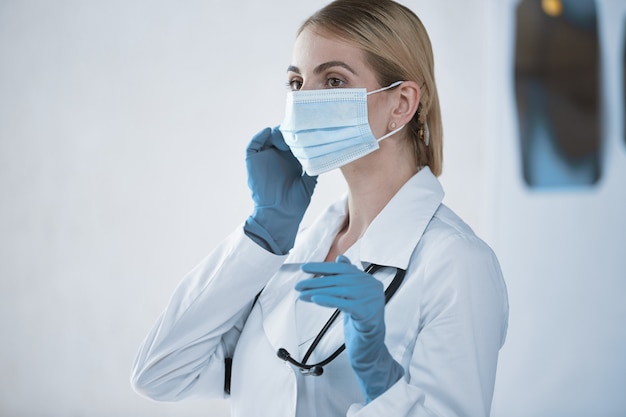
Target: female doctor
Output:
{"points": [[388, 271]]}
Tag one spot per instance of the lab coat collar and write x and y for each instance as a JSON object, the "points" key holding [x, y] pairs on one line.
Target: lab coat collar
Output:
{"points": [[393, 235]]}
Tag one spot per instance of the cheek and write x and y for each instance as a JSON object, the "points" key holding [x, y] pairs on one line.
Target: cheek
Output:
{"points": [[377, 116]]}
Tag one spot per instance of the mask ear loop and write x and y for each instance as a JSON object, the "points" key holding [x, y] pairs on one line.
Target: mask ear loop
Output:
{"points": [[393, 132], [397, 83]]}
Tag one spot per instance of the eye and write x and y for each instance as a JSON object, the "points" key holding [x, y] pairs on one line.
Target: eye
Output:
{"points": [[294, 84], [334, 83]]}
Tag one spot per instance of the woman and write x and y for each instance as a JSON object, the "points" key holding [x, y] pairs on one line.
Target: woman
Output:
{"points": [[363, 99]]}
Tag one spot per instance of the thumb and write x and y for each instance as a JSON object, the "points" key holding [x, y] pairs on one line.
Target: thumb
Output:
{"points": [[259, 141], [276, 138], [343, 259]]}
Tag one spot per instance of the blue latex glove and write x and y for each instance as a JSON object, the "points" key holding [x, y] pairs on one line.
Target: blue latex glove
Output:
{"points": [[361, 298], [280, 190]]}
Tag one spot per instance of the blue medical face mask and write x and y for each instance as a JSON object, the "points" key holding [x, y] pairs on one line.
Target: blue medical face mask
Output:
{"points": [[326, 129]]}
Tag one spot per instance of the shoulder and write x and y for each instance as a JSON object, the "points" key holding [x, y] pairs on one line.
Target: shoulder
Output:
{"points": [[451, 259], [458, 276], [447, 222], [448, 232]]}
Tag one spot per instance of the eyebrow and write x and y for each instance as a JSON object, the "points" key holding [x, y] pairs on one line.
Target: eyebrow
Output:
{"points": [[323, 67]]}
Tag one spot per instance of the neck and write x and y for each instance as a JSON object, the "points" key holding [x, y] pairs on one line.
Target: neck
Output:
{"points": [[372, 183]]}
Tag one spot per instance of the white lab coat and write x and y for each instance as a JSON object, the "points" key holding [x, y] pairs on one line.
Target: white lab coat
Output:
{"points": [[445, 325]]}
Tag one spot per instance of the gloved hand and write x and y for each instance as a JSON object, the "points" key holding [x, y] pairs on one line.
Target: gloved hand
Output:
{"points": [[361, 298], [280, 190]]}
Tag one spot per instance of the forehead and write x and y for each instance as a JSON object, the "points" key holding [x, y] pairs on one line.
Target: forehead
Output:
{"points": [[314, 47]]}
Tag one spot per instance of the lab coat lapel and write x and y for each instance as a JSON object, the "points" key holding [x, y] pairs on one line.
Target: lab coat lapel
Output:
{"points": [[277, 303], [278, 298], [393, 235]]}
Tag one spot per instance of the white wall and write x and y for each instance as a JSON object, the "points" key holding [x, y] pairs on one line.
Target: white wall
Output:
{"points": [[562, 253], [122, 131]]}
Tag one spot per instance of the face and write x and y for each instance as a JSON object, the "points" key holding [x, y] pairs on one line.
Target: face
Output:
{"points": [[320, 62]]}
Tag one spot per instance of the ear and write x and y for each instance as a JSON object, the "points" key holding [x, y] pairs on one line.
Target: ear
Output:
{"points": [[409, 95]]}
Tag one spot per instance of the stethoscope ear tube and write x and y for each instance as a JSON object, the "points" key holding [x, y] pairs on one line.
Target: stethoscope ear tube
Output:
{"points": [[318, 368]]}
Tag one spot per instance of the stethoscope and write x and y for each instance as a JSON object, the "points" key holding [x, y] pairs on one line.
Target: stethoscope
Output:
{"points": [[318, 368]]}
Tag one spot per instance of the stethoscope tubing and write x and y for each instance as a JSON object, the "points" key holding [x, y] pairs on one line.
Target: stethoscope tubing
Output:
{"points": [[318, 368]]}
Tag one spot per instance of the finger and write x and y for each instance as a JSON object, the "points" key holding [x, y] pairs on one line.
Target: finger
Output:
{"points": [[329, 268], [259, 141], [369, 294], [347, 306], [276, 139], [362, 296], [348, 280]]}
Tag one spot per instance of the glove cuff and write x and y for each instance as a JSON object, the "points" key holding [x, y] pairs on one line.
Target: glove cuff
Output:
{"points": [[279, 226], [376, 378], [262, 237]]}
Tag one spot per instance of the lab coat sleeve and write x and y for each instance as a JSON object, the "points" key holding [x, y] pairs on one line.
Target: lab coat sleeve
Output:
{"points": [[183, 354], [462, 315]]}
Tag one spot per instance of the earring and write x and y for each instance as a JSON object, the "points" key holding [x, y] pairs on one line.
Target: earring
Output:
{"points": [[424, 133], [392, 125]]}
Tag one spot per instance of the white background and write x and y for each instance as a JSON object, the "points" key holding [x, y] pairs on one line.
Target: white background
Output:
{"points": [[123, 126]]}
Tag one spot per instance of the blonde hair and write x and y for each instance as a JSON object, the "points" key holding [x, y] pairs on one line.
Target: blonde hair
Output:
{"points": [[398, 48]]}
